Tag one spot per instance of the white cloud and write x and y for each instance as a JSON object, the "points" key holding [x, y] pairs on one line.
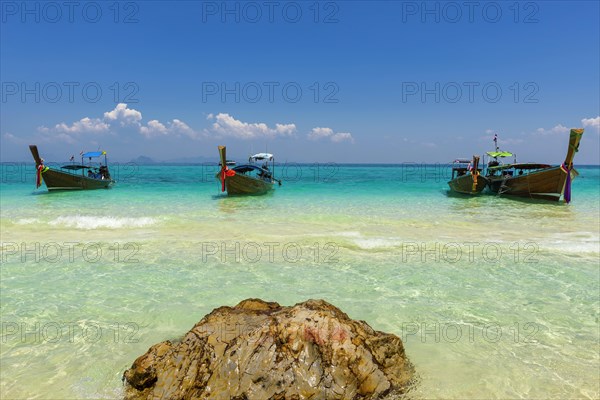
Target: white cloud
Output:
{"points": [[183, 128], [591, 122], [84, 125], [226, 125], [176, 127], [10, 137], [125, 116], [120, 117], [153, 128], [65, 137], [67, 133], [558, 129], [319, 133], [121, 113], [341, 136]]}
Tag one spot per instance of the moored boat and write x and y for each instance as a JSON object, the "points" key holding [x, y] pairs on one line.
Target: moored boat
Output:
{"points": [[246, 179], [534, 180], [73, 176], [466, 177]]}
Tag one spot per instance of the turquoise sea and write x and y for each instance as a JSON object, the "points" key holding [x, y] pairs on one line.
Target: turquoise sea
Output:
{"points": [[493, 297]]}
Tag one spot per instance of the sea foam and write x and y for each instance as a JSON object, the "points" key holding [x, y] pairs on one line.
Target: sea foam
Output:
{"points": [[94, 222]]}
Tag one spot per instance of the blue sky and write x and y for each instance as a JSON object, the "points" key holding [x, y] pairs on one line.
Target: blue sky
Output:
{"points": [[345, 81]]}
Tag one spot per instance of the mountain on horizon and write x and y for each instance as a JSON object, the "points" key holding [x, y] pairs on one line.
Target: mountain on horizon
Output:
{"points": [[183, 160]]}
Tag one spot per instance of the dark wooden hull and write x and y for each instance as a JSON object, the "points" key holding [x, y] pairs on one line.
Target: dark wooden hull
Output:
{"points": [[464, 184], [58, 180], [546, 184], [240, 184]]}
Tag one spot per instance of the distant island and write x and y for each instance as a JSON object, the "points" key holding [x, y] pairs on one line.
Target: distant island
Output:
{"points": [[145, 160]]}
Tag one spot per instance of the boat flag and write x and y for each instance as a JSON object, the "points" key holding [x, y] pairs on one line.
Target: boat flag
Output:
{"points": [[72, 158]]}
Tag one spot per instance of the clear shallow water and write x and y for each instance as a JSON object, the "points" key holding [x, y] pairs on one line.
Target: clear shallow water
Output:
{"points": [[493, 297]]}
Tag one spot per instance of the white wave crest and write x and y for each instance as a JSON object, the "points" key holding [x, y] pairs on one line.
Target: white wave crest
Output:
{"points": [[27, 221], [91, 222], [376, 243]]}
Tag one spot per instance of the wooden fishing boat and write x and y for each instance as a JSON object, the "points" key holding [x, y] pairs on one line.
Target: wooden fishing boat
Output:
{"points": [[533, 180], [247, 179], [466, 177], [73, 176]]}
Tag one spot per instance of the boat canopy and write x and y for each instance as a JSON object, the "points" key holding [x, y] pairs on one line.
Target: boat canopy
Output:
{"points": [[462, 161], [248, 167], [497, 154], [521, 166], [262, 156], [91, 154], [75, 166]]}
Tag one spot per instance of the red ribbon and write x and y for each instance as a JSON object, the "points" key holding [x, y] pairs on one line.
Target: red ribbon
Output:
{"points": [[38, 176], [225, 172]]}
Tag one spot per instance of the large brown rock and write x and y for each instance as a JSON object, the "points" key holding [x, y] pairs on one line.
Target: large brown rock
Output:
{"points": [[259, 350]]}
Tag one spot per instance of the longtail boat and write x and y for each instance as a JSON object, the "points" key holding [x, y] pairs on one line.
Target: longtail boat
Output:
{"points": [[466, 176], [73, 176], [533, 180], [247, 179]]}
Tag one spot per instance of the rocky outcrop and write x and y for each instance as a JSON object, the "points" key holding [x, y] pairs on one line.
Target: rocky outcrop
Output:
{"points": [[260, 350]]}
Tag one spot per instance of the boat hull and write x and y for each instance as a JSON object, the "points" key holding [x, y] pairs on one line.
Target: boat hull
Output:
{"points": [[547, 184], [464, 184], [57, 180], [240, 184]]}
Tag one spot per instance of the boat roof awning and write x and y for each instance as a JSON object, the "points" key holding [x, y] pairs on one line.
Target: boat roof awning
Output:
{"points": [[247, 167], [262, 156], [75, 166], [522, 166], [497, 154], [91, 154]]}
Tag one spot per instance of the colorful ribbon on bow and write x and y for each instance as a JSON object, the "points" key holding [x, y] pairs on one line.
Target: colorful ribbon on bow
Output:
{"points": [[38, 177], [475, 174], [567, 171], [225, 172]]}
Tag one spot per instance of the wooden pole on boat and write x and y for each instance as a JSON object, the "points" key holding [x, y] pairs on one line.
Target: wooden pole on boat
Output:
{"points": [[567, 166], [475, 173], [475, 162], [222, 154], [36, 156], [574, 138]]}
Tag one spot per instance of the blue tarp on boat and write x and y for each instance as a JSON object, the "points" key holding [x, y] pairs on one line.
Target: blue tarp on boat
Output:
{"points": [[93, 154]]}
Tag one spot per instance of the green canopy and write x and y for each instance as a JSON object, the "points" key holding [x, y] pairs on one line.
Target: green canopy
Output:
{"points": [[497, 154]]}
